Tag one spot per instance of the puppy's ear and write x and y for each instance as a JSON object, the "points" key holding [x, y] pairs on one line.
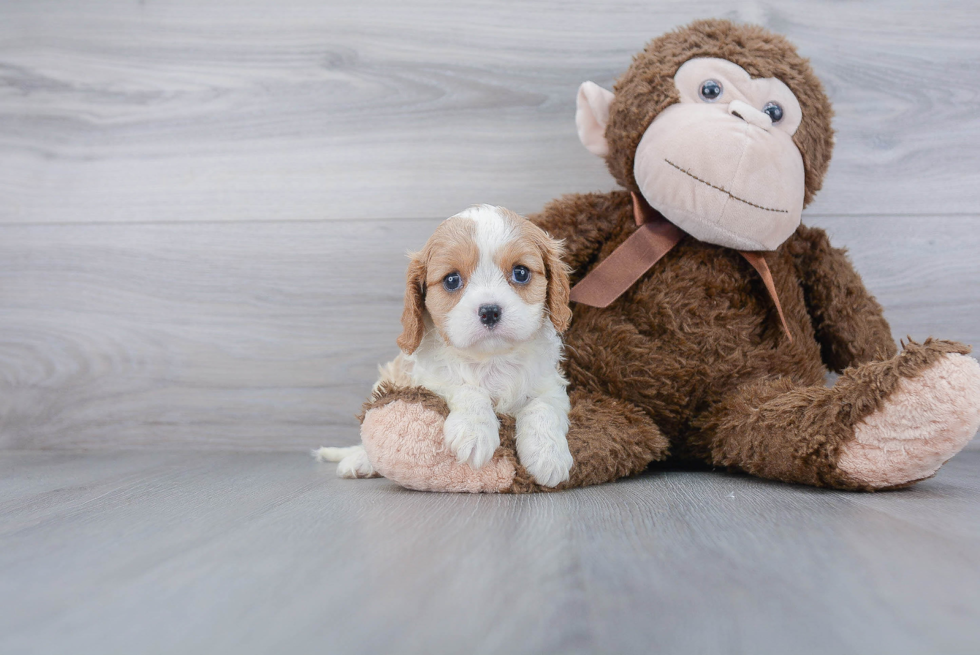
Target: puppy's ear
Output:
{"points": [[413, 327], [558, 287]]}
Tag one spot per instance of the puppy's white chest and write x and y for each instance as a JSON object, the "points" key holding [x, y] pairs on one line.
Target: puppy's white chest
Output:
{"points": [[504, 380], [510, 379]]}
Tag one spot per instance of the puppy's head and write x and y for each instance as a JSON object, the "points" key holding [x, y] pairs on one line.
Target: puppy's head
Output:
{"points": [[488, 279]]}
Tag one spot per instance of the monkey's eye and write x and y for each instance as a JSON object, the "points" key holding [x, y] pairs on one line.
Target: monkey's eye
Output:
{"points": [[710, 90], [452, 281], [520, 274], [774, 111]]}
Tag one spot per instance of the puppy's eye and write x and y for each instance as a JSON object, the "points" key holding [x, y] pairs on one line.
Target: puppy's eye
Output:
{"points": [[710, 90], [774, 111], [452, 281], [520, 274]]}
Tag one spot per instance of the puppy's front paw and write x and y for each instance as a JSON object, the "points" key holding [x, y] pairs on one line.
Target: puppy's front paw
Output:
{"points": [[544, 453], [473, 437]]}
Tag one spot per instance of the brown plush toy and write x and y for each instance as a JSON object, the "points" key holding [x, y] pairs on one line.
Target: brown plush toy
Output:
{"points": [[705, 315]]}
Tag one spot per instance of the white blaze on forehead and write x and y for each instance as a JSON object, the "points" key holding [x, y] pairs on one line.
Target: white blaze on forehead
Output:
{"points": [[494, 230]]}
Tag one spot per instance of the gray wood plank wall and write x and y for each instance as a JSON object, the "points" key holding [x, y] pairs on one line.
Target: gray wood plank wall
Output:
{"points": [[204, 205]]}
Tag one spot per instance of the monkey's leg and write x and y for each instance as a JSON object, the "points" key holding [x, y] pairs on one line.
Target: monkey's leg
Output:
{"points": [[882, 425], [608, 439], [402, 434]]}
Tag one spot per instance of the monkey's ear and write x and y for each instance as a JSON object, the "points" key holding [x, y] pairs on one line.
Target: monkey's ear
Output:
{"points": [[413, 327], [591, 117]]}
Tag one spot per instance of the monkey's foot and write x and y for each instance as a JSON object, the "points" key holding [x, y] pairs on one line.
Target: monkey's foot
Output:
{"points": [[404, 441], [927, 420]]}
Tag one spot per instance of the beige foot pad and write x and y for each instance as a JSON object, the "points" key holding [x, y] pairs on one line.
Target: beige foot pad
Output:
{"points": [[405, 444], [927, 420]]}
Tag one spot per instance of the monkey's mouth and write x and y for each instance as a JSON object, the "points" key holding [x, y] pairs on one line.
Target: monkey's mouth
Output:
{"points": [[725, 191]]}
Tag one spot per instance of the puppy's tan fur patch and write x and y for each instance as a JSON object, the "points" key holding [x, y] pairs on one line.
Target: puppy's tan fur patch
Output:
{"points": [[450, 249], [523, 252], [542, 255]]}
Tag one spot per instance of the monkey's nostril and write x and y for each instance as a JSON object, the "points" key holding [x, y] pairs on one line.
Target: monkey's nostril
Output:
{"points": [[749, 114], [489, 314]]}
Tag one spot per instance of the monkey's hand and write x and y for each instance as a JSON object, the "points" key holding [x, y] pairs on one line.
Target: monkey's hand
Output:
{"points": [[849, 323]]}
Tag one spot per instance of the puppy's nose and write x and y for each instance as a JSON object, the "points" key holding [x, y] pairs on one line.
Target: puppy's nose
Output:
{"points": [[489, 314]]}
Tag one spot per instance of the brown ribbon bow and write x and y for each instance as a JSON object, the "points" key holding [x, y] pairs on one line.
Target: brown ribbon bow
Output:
{"points": [[654, 238]]}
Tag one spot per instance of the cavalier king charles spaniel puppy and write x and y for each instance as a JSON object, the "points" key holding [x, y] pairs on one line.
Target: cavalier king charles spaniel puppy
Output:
{"points": [[485, 305]]}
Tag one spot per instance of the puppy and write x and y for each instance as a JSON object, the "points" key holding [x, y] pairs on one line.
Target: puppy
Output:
{"points": [[485, 304]]}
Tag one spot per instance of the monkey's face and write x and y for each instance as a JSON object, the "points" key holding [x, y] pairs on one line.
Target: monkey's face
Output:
{"points": [[720, 163]]}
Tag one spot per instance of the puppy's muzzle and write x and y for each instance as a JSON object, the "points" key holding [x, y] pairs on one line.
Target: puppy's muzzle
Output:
{"points": [[489, 315]]}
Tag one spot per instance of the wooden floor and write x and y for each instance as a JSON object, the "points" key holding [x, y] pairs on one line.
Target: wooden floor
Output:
{"points": [[259, 553]]}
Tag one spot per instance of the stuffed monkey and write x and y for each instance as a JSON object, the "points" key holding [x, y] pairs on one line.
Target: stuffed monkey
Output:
{"points": [[705, 315]]}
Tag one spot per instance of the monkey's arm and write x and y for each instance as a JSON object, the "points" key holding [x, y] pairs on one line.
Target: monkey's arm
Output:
{"points": [[584, 221], [849, 322]]}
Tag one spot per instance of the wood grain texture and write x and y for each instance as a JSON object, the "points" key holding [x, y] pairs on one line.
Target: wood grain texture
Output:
{"points": [[236, 335], [258, 110], [204, 205], [257, 553], [267, 335]]}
